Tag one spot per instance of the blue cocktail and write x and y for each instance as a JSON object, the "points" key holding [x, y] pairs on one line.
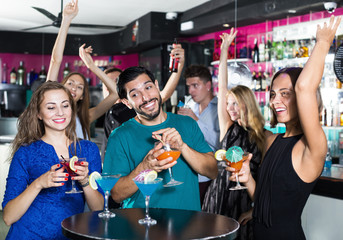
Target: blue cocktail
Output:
{"points": [[107, 182], [148, 189]]}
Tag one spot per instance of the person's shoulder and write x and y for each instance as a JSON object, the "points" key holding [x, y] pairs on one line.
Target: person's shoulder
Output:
{"points": [[177, 117], [126, 127], [86, 143]]}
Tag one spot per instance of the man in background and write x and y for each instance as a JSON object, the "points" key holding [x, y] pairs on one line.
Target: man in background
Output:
{"points": [[204, 111]]}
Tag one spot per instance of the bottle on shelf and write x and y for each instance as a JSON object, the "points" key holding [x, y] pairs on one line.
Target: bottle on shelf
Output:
{"points": [[303, 49], [279, 50], [254, 81], [42, 74], [267, 50], [328, 160], [259, 80], [13, 76], [255, 53], [21, 74], [66, 70], [261, 48], [31, 77], [296, 49], [4, 73], [173, 62]]}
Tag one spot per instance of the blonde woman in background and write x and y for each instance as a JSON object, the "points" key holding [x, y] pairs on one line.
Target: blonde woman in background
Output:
{"points": [[241, 124]]}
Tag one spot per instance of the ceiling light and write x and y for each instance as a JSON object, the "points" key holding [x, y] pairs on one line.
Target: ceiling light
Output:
{"points": [[226, 25], [187, 26], [292, 11]]}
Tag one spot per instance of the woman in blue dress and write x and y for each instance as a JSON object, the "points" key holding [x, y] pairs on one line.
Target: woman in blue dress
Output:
{"points": [[35, 201]]}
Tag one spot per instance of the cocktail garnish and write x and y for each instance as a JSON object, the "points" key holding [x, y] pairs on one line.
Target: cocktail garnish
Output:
{"points": [[92, 183], [234, 154]]}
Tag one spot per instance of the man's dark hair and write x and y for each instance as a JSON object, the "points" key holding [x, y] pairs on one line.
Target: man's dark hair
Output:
{"points": [[112, 69], [129, 75], [200, 71]]}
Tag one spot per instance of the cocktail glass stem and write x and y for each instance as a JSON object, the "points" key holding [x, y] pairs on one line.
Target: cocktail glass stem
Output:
{"points": [[171, 174], [106, 213], [73, 185], [147, 200], [106, 201], [238, 184]]}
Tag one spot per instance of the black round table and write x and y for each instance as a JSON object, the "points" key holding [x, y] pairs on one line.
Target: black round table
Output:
{"points": [[171, 224]]}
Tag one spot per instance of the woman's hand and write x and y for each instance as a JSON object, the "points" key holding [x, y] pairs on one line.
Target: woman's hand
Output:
{"points": [[328, 31], [227, 39], [52, 178], [244, 174], [85, 55], [70, 10], [245, 217], [82, 172]]}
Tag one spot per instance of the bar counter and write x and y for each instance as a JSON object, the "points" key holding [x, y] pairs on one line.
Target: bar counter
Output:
{"points": [[330, 183]]}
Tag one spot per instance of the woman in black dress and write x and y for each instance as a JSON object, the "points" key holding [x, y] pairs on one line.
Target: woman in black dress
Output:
{"points": [[241, 124], [294, 160]]}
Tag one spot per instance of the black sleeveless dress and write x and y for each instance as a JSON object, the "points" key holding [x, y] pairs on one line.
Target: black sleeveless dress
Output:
{"points": [[218, 198], [280, 194]]}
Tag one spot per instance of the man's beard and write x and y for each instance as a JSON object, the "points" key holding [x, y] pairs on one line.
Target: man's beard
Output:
{"points": [[152, 115]]}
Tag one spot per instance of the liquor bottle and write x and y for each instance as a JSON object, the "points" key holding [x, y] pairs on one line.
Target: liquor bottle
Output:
{"points": [[255, 53], [279, 50], [173, 62], [42, 74], [4, 73], [21, 74], [303, 49], [259, 80], [263, 82], [66, 70], [296, 49], [267, 50], [254, 81], [13, 76], [31, 77], [261, 48], [262, 106]]}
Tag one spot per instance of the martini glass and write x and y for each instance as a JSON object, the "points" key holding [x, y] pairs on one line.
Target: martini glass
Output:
{"points": [[238, 166], [170, 150], [147, 190], [107, 182], [65, 163]]}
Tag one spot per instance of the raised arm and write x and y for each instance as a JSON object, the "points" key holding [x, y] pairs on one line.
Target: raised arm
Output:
{"points": [[312, 159], [177, 52], [69, 12], [224, 118], [107, 103]]}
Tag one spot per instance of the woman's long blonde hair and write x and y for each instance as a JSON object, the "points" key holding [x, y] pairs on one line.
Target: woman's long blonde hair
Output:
{"points": [[250, 114], [30, 127]]}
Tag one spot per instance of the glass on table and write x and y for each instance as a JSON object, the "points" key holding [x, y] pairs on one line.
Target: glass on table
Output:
{"points": [[170, 150], [107, 182], [147, 189], [69, 164]]}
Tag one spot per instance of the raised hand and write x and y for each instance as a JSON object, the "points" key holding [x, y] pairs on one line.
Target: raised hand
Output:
{"points": [[85, 55], [328, 31], [227, 39], [178, 52], [70, 10]]}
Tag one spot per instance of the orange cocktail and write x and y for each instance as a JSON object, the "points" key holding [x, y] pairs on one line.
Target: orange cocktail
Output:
{"points": [[173, 153], [238, 165]]}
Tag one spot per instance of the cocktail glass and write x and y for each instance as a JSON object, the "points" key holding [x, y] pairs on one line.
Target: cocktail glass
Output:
{"points": [[170, 150], [107, 182], [238, 166], [65, 163], [147, 190]]}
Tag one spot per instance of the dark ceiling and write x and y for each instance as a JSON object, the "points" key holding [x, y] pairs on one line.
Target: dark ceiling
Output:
{"points": [[155, 29]]}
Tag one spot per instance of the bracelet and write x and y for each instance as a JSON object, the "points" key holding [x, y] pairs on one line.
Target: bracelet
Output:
{"points": [[85, 184]]}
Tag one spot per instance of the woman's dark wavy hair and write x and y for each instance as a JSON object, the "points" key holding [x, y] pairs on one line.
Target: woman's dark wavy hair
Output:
{"points": [[129, 75], [30, 128], [293, 73], [82, 106]]}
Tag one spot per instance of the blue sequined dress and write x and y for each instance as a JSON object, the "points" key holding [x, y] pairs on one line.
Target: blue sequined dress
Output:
{"points": [[43, 218]]}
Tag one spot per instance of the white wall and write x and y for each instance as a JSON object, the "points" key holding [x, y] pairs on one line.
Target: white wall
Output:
{"points": [[322, 218]]}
